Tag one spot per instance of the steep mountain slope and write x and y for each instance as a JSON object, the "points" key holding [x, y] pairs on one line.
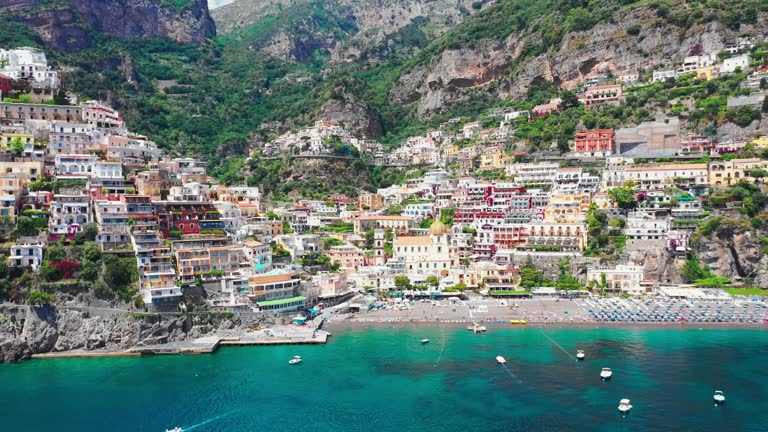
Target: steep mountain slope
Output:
{"points": [[505, 48], [71, 25], [385, 68], [369, 28]]}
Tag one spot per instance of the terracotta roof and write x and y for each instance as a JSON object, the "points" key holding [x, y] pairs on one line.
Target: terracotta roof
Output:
{"points": [[667, 167], [412, 240], [402, 218]]}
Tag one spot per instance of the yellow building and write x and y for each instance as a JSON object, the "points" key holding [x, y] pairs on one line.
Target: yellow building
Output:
{"points": [[724, 173], [761, 141], [6, 140], [425, 255], [11, 188], [493, 158], [567, 207], [707, 73]]}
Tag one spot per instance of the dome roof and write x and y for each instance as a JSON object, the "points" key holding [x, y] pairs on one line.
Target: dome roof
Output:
{"points": [[437, 228]]}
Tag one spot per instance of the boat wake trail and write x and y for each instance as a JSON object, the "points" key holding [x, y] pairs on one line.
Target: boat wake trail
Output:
{"points": [[439, 357], [210, 420], [511, 375], [558, 345]]}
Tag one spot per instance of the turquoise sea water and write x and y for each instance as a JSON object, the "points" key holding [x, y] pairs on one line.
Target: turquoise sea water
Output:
{"points": [[385, 380]]}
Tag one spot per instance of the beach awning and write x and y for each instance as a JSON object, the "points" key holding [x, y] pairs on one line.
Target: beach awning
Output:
{"points": [[282, 301]]}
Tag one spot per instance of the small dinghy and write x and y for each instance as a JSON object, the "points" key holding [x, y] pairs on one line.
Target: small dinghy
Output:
{"points": [[501, 360], [606, 373], [625, 405], [424, 341], [580, 354], [719, 397]]}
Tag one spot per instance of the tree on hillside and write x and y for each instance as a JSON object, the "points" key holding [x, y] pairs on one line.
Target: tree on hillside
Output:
{"points": [[624, 197], [17, 146], [25, 226]]}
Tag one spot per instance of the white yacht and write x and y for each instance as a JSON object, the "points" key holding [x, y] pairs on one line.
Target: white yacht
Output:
{"points": [[424, 341], [295, 360], [580, 354], [719, 397], [501, 360], [606, 373], [625, 405]]}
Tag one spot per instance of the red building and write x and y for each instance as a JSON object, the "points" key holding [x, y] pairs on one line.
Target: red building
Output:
{"points": [[596, 142], [188, 217], [5, 84]]}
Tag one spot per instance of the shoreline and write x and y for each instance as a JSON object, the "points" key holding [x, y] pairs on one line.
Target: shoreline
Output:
{"points": [[344, 326]]}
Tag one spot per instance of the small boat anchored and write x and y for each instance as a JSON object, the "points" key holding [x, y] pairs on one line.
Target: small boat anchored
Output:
{"points": [[501, 360], [176, 429], [580, 355], [719, 397], [625, 405], [606, 373], [295, 360], [424, 341]]}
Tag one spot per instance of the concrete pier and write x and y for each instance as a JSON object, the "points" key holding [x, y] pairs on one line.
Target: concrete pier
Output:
{"points": [[206, 345]]}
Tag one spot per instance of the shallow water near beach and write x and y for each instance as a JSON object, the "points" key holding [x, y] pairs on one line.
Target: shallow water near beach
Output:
{"points": [[383, 379]]}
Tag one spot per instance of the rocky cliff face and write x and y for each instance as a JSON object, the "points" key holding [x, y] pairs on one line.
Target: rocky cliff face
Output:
{"points": [[69, 24], [30, 330], [494, 66], [734, 252], [347, 30], [353, 115]]}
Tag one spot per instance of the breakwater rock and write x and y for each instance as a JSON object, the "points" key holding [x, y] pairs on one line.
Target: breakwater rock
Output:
{"points": [[27, 330]]}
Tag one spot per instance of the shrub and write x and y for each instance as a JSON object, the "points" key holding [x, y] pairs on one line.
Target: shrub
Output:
{"points": [[39, 298]]}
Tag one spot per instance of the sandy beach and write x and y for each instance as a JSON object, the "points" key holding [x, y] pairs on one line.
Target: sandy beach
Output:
{"points": [[493, 313]]}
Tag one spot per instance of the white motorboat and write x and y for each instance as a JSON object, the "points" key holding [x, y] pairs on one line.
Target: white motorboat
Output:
{"points": [[501, 360], [424, 341], [719, 397], [176, 429], [606, 373], [295, 360], [471, 328], [580, 354], [482, 329], [625, 405]]}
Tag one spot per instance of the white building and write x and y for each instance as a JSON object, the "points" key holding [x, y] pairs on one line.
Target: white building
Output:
{"points": [[108, 170], [620, 279], [28, 63], [418, 210], [68, 214], [259, 255], [663, 75], [27, 252], [100, 115], [190, 192], [731, 64], [646, 226], [540, 173]]}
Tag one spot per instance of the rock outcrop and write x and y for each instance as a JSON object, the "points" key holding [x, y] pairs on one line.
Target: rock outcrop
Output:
{"points": [[353, 115], [733, 251], [30, 330], [69, 24]]}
